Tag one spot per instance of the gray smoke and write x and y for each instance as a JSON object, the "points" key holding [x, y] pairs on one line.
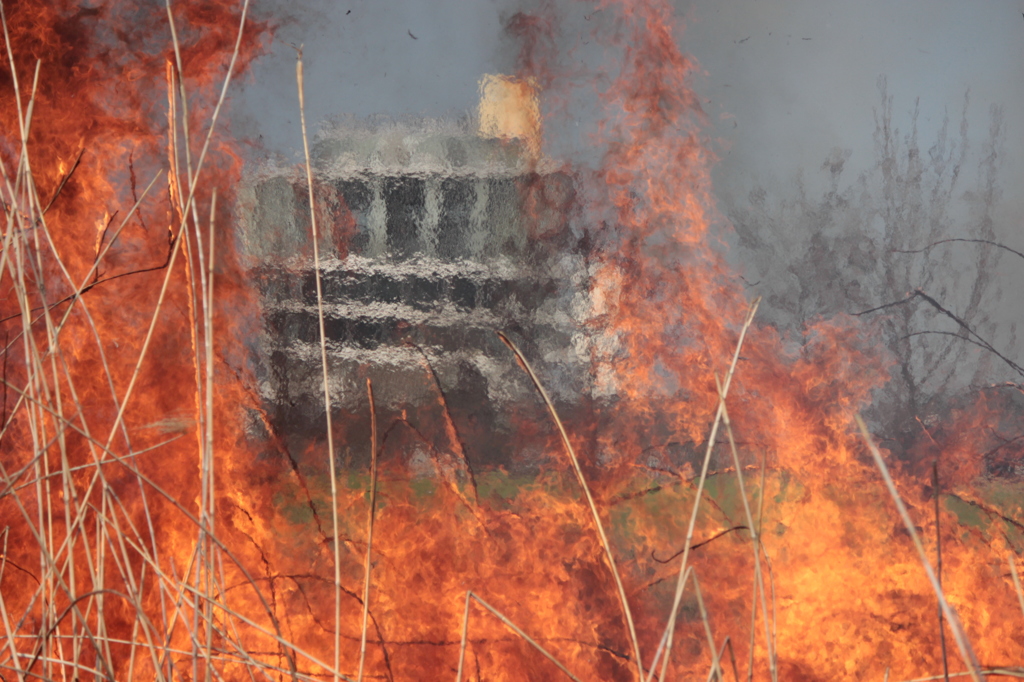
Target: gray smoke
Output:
{"points": [[845, 133]]}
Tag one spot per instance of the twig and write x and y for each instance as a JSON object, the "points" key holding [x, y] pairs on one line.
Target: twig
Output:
{"points": [[102, 238], [277, 637], [89, 287], [700, 544], [917, 293], [1001, 672], [436, 458], [85, 285], [959, 239], [938, 332], [966, 652], [665, 635], [624, 603], [760, 520], [64, 180], [208, 455], [885, 306]]}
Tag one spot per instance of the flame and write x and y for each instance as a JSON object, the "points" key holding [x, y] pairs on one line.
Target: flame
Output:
{"points": [[98, 482], [667, 312], [152, 534]]}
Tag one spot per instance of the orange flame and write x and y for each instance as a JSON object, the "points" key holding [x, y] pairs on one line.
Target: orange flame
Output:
{"points": [[142, 542]]}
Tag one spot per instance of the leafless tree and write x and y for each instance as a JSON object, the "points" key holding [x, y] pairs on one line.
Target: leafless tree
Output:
{"points": [[911, 244]]}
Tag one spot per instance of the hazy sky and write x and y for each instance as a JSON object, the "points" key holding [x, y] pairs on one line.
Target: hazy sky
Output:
{"points": [[804, 78], [783, 81]]}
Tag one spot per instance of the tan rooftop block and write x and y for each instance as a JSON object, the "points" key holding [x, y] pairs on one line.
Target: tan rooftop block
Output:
{"points": [[509, 110]]}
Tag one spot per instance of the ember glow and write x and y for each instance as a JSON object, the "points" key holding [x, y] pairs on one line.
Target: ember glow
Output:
{"points": [[160, 524]]}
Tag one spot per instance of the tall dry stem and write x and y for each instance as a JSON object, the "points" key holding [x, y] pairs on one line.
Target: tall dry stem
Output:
{"points": [[755, 542], [511, 626], [681, 580], [1016, 581], [966, 652], [369, 528], [323, 364], [623, 601]]}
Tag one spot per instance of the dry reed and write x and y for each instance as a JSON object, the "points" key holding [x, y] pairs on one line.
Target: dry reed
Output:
{"points": [[193, 597]]}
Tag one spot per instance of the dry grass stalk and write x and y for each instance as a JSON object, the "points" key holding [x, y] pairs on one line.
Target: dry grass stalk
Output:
{"points": [[24, 215], [966, 652], [193, 181], [716, 667], [755, 541], [208, 471], [767, 560], [1016, 580], [938, 564], [206, 573], [276, 636], [758, 588], [664, 635], [369, 528], [323, 363], [195, 599], [727, 644], [74, 550], [465, 637], [511, 626], [624, 602], [677, 600]]}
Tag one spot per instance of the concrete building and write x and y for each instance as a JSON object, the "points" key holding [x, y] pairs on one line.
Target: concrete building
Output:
{"points": [[433, 237]]}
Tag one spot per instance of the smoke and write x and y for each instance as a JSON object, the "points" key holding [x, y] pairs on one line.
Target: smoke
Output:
{"points": [[790, 80], [843, 133], [783, 83], [390, 57]]}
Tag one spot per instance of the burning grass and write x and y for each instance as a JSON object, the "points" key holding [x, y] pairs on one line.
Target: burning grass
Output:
{"points": [[144, 539]]}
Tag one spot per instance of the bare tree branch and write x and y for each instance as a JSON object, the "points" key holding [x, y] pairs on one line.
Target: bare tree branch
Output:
{"points": [[960, 239], [963, 325]]}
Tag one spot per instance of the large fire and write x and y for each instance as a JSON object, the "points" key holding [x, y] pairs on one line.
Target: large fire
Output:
{"points": [[146, 535]]}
